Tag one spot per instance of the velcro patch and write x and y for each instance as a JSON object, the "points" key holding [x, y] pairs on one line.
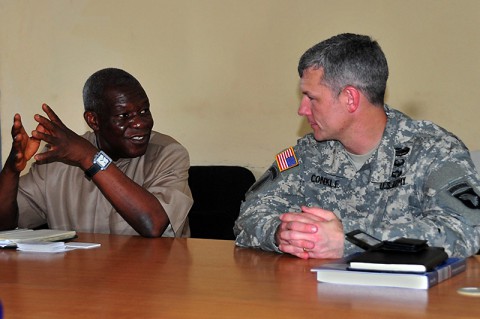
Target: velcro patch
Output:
{"points": [[286, 159]]}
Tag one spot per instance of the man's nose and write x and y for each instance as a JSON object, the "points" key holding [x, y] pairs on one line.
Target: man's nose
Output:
{"points": [[304, 108], [138, 121]]}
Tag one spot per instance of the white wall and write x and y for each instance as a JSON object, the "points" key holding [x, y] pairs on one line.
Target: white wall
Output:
{"points": [[221, 74]]}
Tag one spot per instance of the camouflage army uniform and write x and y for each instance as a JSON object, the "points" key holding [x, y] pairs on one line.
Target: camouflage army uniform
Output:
{"points": [[419, 183]]}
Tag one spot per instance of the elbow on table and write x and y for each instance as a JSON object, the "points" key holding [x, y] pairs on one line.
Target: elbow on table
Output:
{"points": [[153, 230]]}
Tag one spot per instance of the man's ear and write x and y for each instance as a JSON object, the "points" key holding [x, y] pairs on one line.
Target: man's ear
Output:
{"points": [[92, 120], [352, 96]]}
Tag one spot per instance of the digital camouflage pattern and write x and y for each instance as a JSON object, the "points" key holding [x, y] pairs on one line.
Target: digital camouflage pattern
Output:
{"points": [[419, 183]]}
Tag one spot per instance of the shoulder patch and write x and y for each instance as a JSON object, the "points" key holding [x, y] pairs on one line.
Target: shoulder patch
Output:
{"points": [[286, 159], [465, 193]]}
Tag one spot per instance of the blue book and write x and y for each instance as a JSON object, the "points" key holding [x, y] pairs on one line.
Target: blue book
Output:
{"points": [[339, 273]]}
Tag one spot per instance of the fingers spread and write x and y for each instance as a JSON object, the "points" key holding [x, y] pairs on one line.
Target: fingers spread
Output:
{"points": [[51, 114], [47, 124]]}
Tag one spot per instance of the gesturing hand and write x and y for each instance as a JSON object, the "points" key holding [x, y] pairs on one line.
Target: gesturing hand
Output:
{"points": [[63, 144], [23, 146], [314, 233]]}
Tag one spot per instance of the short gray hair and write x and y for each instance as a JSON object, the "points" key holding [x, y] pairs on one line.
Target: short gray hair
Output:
{"points": [[350, 59]]}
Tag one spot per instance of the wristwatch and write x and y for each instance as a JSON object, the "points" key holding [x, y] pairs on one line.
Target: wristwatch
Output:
{"points": [[100, 163]]}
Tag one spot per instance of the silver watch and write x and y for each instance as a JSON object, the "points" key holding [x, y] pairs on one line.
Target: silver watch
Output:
{"points": [[100, 163]]}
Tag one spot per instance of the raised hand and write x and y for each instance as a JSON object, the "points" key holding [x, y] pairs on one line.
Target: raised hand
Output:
{"points": [[23, 146], [63, 145]]}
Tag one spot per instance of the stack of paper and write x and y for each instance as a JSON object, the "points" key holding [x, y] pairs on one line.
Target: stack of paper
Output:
{"points": [[44, 247], [77, 245], [23, 235], [43, 240], [6, 243]]}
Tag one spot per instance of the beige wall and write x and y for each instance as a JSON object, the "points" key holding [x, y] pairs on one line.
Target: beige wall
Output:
{"points": [[221, 74]]}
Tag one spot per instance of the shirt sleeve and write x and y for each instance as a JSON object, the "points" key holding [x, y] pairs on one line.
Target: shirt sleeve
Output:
{"points": [[273, 194], [31, 199], [452, 202], [168, 182]]}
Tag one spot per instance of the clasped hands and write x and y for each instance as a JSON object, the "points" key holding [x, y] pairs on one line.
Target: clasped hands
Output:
{"points": [[313, 233], [63, 144]]}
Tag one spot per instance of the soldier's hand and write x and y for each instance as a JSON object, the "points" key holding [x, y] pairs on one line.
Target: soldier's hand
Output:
{"points": [[314, 233]]}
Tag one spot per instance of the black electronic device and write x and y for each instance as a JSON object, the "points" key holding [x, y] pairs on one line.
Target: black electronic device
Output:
{"points": [[362, 239]]}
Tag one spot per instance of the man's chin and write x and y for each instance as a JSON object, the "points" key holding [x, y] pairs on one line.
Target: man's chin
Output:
{"points": [[133, 152], [318, 137]]}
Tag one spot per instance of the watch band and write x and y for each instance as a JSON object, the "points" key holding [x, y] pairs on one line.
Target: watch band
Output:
{"points": [[94, 169]]}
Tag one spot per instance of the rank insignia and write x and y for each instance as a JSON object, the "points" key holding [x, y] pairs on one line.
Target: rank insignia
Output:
{"points": [[286, 159]]}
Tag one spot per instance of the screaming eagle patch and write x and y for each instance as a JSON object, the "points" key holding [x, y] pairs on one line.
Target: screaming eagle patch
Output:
{"points": [[465, 193]]}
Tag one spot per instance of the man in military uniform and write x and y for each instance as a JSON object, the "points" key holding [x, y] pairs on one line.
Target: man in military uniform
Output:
{"points": [[365, 166]]}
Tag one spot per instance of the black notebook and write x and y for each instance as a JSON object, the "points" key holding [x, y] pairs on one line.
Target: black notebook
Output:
{"points": [[399, 261]]}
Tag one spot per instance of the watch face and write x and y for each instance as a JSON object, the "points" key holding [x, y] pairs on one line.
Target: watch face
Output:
{"points": [[102, 160]]}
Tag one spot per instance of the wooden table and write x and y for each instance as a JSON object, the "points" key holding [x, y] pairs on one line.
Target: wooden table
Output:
{"points": [[134, 277]]}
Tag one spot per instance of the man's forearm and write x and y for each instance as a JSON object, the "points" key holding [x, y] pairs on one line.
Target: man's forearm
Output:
{"points": [[8, 198], [135, 204], [257, 232]]}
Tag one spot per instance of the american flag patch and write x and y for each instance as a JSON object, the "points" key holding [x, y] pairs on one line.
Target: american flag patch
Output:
{"points": [[286, 159]]}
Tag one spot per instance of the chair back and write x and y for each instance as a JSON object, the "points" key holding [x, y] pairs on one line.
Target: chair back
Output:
{"points": [[217, 194]]}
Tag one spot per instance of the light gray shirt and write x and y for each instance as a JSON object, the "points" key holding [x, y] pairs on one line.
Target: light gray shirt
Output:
{"points": [[61, 195]]}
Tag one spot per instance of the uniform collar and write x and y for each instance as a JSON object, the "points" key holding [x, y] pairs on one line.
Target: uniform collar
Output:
{"points": [[382, 163], [390, 163]]}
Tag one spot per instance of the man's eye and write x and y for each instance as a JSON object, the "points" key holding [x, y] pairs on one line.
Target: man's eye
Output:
{"points": [[122, 116], [145, 111]]}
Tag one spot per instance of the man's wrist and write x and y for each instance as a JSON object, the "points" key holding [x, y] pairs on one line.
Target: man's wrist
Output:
{"points": [[100, 162], [276, 236]]}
